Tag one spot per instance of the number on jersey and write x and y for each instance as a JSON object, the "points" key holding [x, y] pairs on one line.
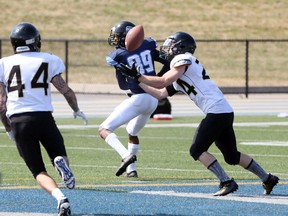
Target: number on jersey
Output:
{"points": [[15, 80]]}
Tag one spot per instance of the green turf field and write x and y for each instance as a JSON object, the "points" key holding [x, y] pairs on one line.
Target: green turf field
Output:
{"points": [[164, 152]]}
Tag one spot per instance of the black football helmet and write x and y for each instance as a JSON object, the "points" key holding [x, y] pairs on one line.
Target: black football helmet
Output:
{"points": [[177, 43], [118, 33], [25, 37]]}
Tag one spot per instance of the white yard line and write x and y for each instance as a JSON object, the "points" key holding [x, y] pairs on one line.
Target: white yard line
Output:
{"points": [[279, 200]]}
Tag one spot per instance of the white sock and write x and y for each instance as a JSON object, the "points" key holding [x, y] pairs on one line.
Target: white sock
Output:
{"points": [[115, 143], [133, 148], [58, 195]]}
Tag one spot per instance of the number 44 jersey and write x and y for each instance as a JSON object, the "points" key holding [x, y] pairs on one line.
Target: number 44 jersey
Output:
{"points": [[197, 85], [27, 78]]}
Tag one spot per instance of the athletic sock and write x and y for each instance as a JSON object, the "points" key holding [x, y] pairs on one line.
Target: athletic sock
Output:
{"points": [[255, 168], [216, 168], [115, 143], [58, 195], [133, 148]]}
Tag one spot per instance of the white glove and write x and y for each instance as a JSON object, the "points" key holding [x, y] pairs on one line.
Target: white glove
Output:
{"points": [[82, 115], [11, 135]]}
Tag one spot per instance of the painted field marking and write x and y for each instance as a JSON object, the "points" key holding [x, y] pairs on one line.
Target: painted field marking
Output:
{"points": [[265, 143], [144, 184], [189, 125], [280, 200]]}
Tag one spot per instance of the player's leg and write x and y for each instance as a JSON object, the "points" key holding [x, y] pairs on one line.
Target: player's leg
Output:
{"points": [[227, 145], [53, 142], [145, 105], [133, 147], [269, 180], [122, 114], [26, 133], [206, 133]]}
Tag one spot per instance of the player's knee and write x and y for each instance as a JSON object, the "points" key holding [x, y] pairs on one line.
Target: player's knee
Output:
{"points": [[38, 173], [195, 154], [232, 159], [102, 132]]}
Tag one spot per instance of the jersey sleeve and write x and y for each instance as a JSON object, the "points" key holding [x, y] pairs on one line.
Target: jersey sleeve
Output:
{"points": [[181, 60], [2, 76], [58, 66], [152, 42]]}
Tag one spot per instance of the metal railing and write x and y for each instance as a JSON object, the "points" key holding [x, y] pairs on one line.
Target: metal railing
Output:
{"points": [[238, 66]]}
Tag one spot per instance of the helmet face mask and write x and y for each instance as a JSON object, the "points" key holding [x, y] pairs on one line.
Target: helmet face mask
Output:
{"points": [[25, 37], [166, 50], [178, 43], [118, 33]]}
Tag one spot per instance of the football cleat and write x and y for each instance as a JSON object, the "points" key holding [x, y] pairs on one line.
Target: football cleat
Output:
{"points": [[226, 188], [65, 172], [64, 208], [132, 174], [270, 183], [125, 163]]}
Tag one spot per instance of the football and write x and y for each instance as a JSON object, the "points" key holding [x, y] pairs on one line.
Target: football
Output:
{"points": [[134, 38]]}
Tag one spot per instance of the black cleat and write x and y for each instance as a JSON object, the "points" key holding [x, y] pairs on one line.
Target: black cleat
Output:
{"points": [[226, 188], [270, 183], [64, 208], [132, 174], [125, 163]]}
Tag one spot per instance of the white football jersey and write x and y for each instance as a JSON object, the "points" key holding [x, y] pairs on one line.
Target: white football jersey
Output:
{"points": [[196, 84], [27, 77]]}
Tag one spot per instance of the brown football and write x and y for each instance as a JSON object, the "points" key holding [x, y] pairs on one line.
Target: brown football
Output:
{"points": [[134, 38]]}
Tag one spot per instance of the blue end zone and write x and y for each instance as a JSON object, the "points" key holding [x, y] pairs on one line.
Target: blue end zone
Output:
{"points": [[152, 198]]}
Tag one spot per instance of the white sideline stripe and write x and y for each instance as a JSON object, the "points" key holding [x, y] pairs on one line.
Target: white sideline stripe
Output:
{"points": [[192, 125], [266, 143], [280, 200]]}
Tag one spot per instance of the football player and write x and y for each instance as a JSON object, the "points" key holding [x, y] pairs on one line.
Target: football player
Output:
{"points": [[26, 109], [187, 75], [138, 107]]}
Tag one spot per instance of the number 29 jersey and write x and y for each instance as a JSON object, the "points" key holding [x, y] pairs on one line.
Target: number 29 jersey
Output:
{"points": [[27, 78], [197, 85]]}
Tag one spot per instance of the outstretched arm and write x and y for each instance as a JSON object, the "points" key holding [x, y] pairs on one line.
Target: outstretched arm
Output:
{"points": [[69, 95], [157, 82], [157, 93], [167, 79]]}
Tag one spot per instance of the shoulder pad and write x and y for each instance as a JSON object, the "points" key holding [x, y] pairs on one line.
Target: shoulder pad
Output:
{"points": [[181, 62]]}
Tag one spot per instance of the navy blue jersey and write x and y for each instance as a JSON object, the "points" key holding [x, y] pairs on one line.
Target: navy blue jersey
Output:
{"points": [[144, 56]]}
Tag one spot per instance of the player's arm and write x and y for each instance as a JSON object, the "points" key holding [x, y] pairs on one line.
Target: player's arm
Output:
{"points": [[66, 91], [3, 99], [167, 79], [122, 80], [157, 93], [69, 95]]}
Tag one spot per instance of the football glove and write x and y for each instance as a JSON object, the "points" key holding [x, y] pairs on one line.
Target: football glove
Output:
{"points": [[132, 72], [11, 135], [82, 115]]}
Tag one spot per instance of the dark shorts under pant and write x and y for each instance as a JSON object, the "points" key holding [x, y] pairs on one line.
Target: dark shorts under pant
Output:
{"points": [[216, 128], [32, 129]]}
